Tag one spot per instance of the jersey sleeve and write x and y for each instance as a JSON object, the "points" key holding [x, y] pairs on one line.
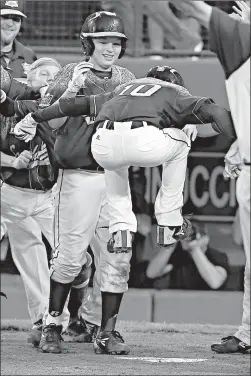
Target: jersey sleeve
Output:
{"points": [[97, 101], [185, 107], [23, 108], [59, 85], [229, 39]]}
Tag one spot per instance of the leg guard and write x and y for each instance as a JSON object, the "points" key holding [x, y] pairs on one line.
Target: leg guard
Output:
{"points": [[168, 235], [121, 242]]}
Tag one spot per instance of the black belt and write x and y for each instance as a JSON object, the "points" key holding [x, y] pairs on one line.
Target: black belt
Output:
{"points": [[110, 124], [247, 163]]}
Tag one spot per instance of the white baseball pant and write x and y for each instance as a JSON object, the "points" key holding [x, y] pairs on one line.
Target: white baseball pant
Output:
{"points": [[147, 146], [81, 219], [243, 197], [30, 257]]}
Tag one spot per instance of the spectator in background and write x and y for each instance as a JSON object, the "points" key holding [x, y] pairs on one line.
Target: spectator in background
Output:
{"points": [[190, 264], [162, 24], [15, 57]]}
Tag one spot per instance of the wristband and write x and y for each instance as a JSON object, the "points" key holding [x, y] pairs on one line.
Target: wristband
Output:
{"points": [[3, 96]]}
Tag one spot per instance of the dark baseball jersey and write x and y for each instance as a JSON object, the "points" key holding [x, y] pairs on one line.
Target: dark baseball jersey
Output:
{"points": [[159, 103], [230, 40], [73, 141], [41, 174]]}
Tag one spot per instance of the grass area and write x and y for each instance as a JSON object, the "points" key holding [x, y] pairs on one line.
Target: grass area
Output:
{"points": [[138, 327]]}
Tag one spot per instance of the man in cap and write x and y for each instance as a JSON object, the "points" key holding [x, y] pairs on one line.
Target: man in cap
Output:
{"points": [[15, 57]]}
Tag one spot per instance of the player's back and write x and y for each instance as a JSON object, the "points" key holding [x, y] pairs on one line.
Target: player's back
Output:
{"points": [[146, 99]]}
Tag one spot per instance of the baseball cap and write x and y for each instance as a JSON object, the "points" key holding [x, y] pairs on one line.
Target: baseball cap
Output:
{"points": [[12, 7]]}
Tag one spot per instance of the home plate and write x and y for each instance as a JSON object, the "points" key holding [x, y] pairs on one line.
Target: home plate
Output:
{"points": [[153, 359]]}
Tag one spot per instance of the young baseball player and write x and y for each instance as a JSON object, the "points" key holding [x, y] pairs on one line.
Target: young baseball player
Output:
{"points": [[230, 40], [81, 211], [23, 166], [157, 108]]}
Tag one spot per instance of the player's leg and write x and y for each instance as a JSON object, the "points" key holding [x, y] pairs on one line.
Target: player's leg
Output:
{"points": [[169, 201], [112, 277], [30, 256], [75, 220], [16, 205], [240, 342], [78, 329]]}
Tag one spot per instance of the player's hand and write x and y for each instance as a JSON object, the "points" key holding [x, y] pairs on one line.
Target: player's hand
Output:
{"points": [[243, 10], [79, 76], [233, 162], [191, 131], [25, 130], [22, 161], [231, 171], [2, 96]]}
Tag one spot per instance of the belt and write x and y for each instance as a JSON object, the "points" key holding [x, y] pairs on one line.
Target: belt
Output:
{"points": [[109, 124], [247, 163]]}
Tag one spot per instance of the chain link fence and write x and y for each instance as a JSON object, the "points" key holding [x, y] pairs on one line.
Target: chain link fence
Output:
{"points": [[153, 28]]}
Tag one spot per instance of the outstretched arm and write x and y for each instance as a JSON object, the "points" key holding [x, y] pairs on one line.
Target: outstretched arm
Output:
{"points": [[77, 106]]}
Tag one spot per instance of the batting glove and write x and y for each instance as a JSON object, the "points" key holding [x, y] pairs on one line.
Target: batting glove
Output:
{"points": [[191, 131], [26, 129], [22, 161], [79, 76], [233, 162]]}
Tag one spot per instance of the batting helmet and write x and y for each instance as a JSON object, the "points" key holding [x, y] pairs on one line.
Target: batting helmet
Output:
{"points": [[102, 24], [167, 74]]}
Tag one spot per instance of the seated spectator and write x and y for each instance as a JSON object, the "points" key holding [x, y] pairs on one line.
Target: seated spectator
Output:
{"points": [[190, 264]]}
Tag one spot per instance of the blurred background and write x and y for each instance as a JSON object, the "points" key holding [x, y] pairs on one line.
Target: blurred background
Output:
{"points": [[158, 35]]}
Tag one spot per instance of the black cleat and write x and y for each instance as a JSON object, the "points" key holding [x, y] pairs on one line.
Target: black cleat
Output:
{"points": [[230, 345], [51, 339], [36, 333], [81, 331], [111, 343]]}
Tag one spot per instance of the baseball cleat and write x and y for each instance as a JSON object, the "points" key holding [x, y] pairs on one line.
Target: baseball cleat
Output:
{"points": [[36, 333], [168, 235], [81, 331], [110, 343], [51, 339], [121, 242], [229, 345]]}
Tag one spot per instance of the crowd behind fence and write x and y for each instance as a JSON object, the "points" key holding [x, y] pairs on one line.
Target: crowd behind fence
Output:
{"points": [[55, 25]]}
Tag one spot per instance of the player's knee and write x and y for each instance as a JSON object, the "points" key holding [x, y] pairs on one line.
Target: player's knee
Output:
{"points": [[115, 273], [64, 273], [83, 277]]}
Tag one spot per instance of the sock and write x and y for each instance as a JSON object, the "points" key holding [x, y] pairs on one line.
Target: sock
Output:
{"points": [[58, 295], [76, 299], [110, 308]]}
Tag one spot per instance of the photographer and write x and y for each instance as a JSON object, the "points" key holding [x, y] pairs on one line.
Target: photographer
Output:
{"points": [[191, 264]]}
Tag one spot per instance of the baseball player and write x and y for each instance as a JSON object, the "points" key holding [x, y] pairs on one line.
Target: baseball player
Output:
{"points": [[174, 107], [81, 210], [27, 247], [230, 40]]}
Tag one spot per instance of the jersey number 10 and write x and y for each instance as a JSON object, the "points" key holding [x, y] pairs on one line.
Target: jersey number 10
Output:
{"points": [[145, 90]]}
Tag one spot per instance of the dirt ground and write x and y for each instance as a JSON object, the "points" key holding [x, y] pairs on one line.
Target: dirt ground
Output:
{"points": [[156, 349]]}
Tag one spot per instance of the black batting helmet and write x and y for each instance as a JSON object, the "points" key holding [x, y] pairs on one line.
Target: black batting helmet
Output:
{"points": [[102, 24], [166, 73]]}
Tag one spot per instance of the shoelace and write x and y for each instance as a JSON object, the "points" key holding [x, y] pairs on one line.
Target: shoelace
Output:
{"points": [[117, 335]]}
